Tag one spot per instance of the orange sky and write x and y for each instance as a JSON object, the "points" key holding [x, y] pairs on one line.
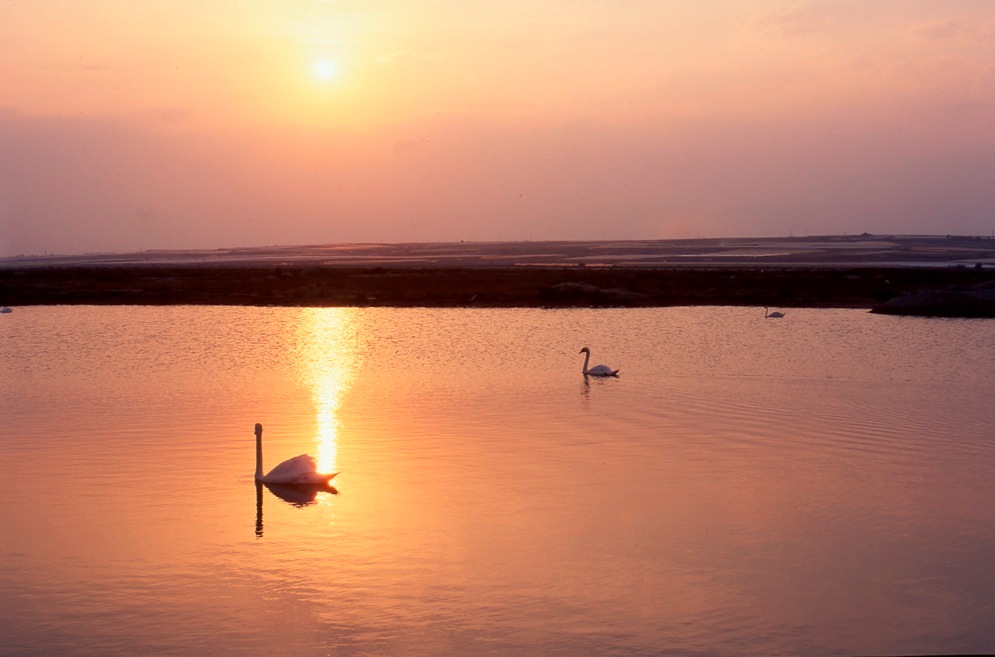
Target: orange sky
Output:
{"points": [[178, 124]]}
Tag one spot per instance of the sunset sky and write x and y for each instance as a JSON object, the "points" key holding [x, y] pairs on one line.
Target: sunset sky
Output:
{"points": [[177, 124]]}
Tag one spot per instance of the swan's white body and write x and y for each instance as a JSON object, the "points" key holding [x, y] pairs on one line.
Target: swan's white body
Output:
{"points": [[773, 315], [597, 370], [299, 471]]}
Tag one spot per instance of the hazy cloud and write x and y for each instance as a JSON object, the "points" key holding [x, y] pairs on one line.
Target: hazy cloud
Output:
{"points": [[956, 28], [74, 185], [793, 21]]}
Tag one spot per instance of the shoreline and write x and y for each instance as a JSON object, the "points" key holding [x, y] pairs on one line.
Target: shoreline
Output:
{"points": [[914, 275], [549, 287]]}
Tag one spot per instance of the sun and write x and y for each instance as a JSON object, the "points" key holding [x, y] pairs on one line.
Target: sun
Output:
{"points": [[325, 70]]}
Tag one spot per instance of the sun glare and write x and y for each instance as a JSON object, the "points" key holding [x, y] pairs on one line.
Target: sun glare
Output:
{"points": [[330, 356], [325, 70]]}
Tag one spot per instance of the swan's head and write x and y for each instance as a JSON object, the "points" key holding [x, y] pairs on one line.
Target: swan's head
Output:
{"points": [[585, 350], [259, 429]]}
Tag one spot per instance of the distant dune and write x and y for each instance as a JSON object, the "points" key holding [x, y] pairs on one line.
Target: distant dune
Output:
{"points": [[840, 250]]}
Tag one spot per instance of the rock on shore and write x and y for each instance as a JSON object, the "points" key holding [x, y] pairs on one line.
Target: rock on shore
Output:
{"points": [[976, 302]]}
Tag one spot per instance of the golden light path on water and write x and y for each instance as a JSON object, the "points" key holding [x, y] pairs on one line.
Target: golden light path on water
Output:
{"points": [[329, 356]]}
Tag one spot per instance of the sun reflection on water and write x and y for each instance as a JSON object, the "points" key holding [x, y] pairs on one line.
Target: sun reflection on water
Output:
{"points": [[329, 358]]}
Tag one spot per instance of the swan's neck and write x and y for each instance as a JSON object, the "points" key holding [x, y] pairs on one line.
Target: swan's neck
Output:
{"points": [[587, 359], [259, 452]]}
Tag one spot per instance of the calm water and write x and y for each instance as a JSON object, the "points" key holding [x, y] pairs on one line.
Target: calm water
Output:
{"points": [[821, 484]]}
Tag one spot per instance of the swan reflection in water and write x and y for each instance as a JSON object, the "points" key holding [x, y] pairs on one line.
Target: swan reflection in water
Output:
{"points": [[586, 385], [298, 495]]}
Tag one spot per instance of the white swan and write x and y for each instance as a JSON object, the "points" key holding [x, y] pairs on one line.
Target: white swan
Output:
{"points": [[773, 315], [597, 370], [298, 471]]}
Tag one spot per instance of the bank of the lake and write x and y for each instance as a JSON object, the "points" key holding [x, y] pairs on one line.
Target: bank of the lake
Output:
{"points": [[314, 285]]}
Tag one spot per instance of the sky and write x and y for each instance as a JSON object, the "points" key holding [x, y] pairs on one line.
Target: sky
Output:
{"points": [[128, 125]]}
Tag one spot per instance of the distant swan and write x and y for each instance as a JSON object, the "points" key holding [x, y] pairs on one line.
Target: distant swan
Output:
{"points": [[773, 315], [298, 471], [597, 370]]}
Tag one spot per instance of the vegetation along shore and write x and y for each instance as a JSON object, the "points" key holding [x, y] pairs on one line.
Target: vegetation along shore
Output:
{"points": [[942, 282]]}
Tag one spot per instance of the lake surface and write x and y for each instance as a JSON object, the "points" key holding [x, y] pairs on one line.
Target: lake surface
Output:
{"points": [[821, 484]]}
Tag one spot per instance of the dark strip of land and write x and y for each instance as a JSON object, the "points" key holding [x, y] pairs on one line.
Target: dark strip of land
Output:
{"points": [[904, 275], [306, 285]]}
